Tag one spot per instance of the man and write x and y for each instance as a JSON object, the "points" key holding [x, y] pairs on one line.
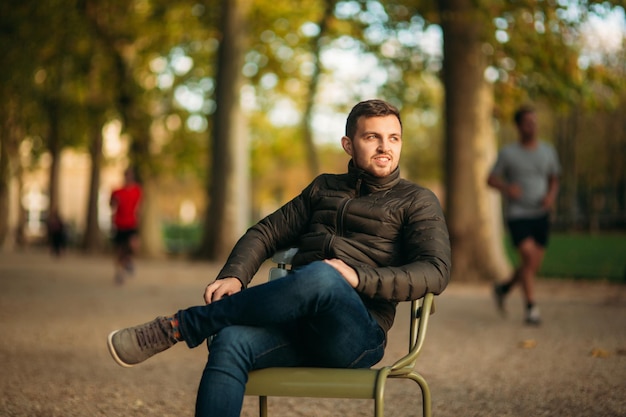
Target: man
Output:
{"points": [[526, 173], [125, 205], [367, 239]]}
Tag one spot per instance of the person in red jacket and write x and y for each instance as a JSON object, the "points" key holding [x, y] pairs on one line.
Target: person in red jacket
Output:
{"points": [[125, 203]]}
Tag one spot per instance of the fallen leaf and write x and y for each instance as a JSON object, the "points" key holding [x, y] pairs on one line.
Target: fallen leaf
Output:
{"points": [[600, 353], [528, 344]]}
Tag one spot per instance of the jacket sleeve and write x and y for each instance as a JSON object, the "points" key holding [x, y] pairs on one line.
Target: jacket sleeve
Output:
{"points": [[278, 230], [426, 256]]}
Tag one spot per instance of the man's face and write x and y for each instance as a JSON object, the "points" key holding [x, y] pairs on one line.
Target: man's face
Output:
{"points": [[376, 145], [528, 125]]}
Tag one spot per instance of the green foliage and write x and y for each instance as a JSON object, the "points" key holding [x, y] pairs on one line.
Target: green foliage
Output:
{"points": [[537, 50], [93, 58], [181, 238], [581, 256]]}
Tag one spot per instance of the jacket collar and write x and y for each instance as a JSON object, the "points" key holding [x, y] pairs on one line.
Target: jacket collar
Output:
{"points": [[370, 183]]}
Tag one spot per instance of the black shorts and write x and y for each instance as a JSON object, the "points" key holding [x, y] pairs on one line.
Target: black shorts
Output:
{"points": [[536, 228], [122, 237]]}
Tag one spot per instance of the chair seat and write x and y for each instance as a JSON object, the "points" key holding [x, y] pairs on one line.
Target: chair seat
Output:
{"points": [[313, 382]]}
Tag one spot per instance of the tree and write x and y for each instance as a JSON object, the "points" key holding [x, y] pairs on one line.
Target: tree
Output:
{"points": [[470, 145], [229, 187], [108, 62], [129, 38], [10, 133], [471, 211], [20, 110], [531, 47], [307, 118]]}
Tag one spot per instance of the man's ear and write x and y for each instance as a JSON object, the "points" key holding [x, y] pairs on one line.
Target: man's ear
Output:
{"points": [[346, 143]]}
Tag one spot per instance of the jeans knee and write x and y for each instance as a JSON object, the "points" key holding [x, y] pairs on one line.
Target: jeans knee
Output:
{"points": [[243, 348], [232, 347], [323, 278], [231, 339]]}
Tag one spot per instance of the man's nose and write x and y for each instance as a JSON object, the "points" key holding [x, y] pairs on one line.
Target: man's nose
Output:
{"points": [[383, 144]]}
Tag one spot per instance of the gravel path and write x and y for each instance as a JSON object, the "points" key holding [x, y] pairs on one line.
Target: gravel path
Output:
{"points": [[55, 315]]}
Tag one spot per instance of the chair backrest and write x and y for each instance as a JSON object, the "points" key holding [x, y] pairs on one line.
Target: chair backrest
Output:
{"points": [[283, 259], [420, 314]]}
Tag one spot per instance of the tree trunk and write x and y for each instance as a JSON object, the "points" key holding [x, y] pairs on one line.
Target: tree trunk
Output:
{"points": [[311, 151], [92, 237], [228, 193], [54, 147], [151, 237], [12, 213], [9, 139], [20, 228], [5, 178], [568, 208], [137, 125], [136, 121], [152, 244], [473, 219]]}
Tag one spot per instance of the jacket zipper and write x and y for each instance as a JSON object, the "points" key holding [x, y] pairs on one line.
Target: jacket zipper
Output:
{"points": [[341, 214]]}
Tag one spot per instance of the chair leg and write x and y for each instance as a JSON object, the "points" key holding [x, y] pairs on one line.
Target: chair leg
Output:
{"points": [[379, 395], [262, 406], [379, 407], [426, 400]]}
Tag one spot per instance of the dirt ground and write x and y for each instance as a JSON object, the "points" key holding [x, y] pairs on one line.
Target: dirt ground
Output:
{"points": [[55, 315]]}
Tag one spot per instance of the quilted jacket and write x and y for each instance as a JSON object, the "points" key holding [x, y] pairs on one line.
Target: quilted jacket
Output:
{"points": [[390, 230]]}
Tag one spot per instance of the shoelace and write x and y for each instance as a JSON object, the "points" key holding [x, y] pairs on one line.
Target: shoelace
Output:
{"points": [[151, 336]]}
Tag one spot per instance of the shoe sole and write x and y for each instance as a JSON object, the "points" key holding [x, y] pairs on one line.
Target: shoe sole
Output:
{"points": [[113, 353]]}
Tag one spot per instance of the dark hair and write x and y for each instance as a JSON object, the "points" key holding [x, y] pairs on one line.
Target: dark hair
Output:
{"points": [[131, 174], [521, 112], [369, 108]]}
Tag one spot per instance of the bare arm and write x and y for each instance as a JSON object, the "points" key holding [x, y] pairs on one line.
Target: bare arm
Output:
{"points": [[553, 189], [509, 190]]}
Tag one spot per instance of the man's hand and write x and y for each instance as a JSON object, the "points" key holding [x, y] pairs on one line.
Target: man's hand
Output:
{"points": [[513, 191], [548, 201], [221, 288], [347, 272], [550, 198], [509, 190]]}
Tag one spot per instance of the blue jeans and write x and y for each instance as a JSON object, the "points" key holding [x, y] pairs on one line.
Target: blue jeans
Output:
{"points": [[311, 317]]}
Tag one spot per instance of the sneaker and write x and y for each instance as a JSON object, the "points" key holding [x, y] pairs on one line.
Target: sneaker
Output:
{"points": [[533, 317], [129, 267], [119, 277], [499, 292], [133, 345]]}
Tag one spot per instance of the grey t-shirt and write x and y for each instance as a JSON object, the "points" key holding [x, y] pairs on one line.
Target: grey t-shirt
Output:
{"points": [[531, 169]]}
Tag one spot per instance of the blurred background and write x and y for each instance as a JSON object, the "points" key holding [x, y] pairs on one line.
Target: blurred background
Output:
{"points": [[227, 109]]}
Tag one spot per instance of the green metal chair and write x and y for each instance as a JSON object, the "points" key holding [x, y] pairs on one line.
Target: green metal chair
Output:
{"points": [[345, 383]]}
